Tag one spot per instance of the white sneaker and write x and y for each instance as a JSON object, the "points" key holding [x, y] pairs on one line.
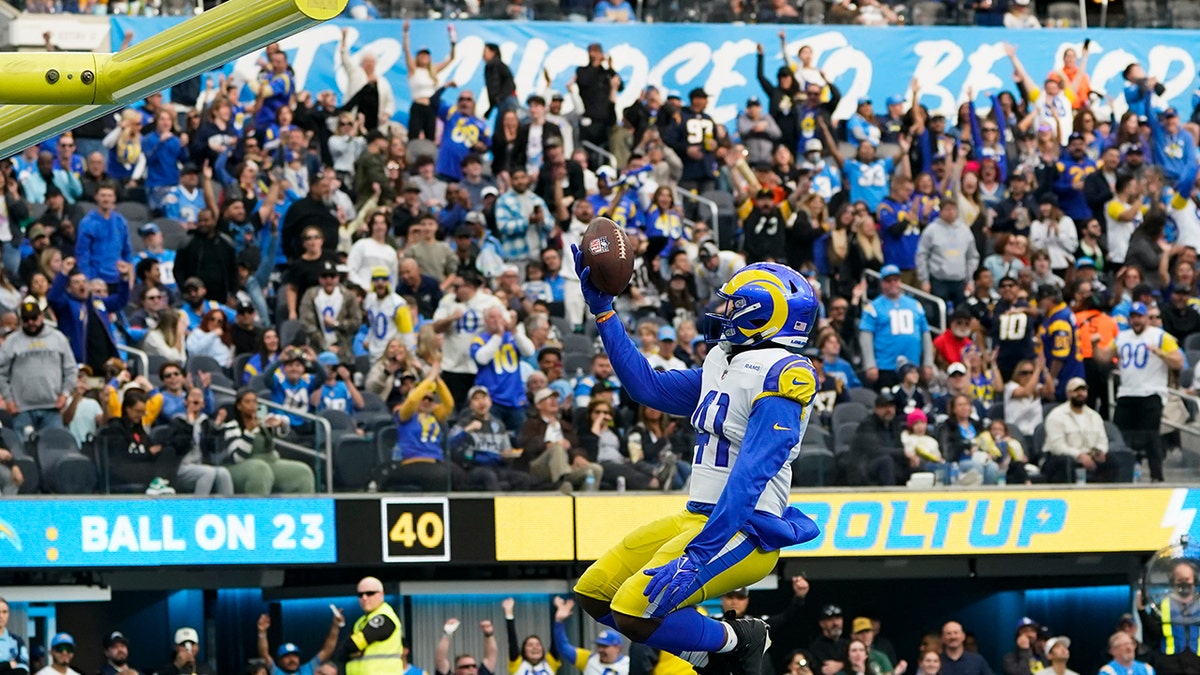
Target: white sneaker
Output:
{"points": [[159, 487]]}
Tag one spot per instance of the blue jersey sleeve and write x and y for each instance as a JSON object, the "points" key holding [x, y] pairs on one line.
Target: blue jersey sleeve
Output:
{"points": [[765, 448], [675, 392], [562, 644]]}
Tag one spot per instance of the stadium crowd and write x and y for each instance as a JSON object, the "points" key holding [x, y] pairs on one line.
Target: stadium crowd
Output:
{"points": [[806, 641], [414, 285]]}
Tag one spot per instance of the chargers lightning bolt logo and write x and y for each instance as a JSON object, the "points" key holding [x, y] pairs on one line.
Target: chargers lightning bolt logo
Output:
{"points": [[8, 533]]}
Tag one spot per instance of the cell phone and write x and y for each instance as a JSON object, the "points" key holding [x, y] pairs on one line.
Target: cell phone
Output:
{"points": [[1087, 42]]}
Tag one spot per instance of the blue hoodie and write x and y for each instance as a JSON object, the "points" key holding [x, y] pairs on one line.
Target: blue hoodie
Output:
{"points": [[74, 314], [162, 159], [100, 243]]}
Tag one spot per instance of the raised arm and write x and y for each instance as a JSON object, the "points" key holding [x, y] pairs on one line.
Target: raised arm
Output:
{"points": [[264, 649], [783, 50], [510, 627], [331, 638], [831, 144], [491, 650], [409, 62], [445, 63], [441, 653]]}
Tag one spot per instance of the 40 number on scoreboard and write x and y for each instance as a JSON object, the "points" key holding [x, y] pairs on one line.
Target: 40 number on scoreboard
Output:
{"points": [[415, 530]]}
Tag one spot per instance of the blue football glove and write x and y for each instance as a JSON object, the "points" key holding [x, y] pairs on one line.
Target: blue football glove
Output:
{"points": [[597, 300], [672, 584]]}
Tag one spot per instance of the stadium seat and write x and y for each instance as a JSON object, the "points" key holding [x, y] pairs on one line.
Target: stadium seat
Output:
{"points": [[418, 147], [816, 437], [24, 460], [849, 413], [842, 435], [560, 324], [11, 440], [385, 441], [204, 364], [578, 344], [996, 411], [1191, 342], [257, 383], [863, 396], [174, 236], [575, 362], [354, 461], [155, 361], [340, 422], [1063, 14], [239, 367], [136, 213], [64, 470], [1035, 448], [372, 402], [815, 467]]}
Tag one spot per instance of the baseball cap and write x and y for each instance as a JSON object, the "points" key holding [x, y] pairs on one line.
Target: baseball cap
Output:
{"points": [[1025, 621], [1073, 384], [327, 359], [895, 99], [328, 269], [602, 386], [866, 100], [861, 623], [245, 308], [1076, 136], [543, 394], [813, 145], [61, 639], [488, 191], [830, 611], [739, 592], [30, 309], [708, 250], [881, 399], [477, 389], [1138, 308], [606, 172], [1126, 620], [476, 218], [666, 333], [1085, 262], [556, 96], [753, 100], [380, 272], [956, 369], [186, 634], [147, 229], [916, 416], [287, 648], [1169, 113], [115, 637], [609, 638], [889, 271], [462, 231], [1127, 148], [1057, 640], [36, 230]]}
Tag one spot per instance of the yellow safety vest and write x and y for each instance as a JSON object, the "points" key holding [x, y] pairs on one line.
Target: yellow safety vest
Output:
{"points": [[385, 657]]}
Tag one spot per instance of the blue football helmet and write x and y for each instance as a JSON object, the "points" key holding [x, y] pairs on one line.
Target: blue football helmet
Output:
{"points": [[767, 302]]}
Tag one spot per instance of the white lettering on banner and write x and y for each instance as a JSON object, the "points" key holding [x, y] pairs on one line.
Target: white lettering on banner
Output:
{"points": [[679, 57], [212, 532]]}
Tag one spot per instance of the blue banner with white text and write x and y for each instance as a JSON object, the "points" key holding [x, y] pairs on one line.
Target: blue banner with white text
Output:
{"points": [[97, 533], [864, 62]]}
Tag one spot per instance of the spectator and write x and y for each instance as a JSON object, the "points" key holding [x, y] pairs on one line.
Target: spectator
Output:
{"points": [[481, 442], [1150, 252], [1075, 436], [193, 436], [293, 378], [62, 652], [1058, 650], [212, 339], [1123, 648], [829, 648], [422, 287], [463, 134], [879, 664], [287, 658], [116, 655], [331, 314], [134, 461], [184, 660], [465, 664], [418, 458], [316, 210], [1181, 317], [1025, 659], [39, 358], [498, 350], [501, 88], [1056, 234], [80, 316], [103, 240], [920, 449], [164, 153], [1124, 214], [13, 652], [552, 450], [760, 133], [608, 449], [956, 660], [893, 326], [250, 456], [946, 255], [459, 317], [38, 183], [434, 257], [1146, 356], [522, 220], [1059, 343], [876, 450], [1019, 16], [210, 257]]}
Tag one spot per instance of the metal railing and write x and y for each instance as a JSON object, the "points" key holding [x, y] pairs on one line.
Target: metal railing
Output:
{"points": [[142, 357], [713, 211], [1190, 429], [326, 428], [934, 300], [592, 147]]}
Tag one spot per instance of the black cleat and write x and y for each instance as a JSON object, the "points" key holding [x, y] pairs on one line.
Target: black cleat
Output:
{"points": [[754, 639]]}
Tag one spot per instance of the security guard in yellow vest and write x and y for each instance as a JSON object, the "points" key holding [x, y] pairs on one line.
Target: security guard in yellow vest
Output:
{"points": [[376, 646], [1179, 624]]}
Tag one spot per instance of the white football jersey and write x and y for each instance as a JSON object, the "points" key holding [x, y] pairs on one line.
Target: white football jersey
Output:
{"points": [[1142, 372], [387, 318], [728, 392], [456, 346]]}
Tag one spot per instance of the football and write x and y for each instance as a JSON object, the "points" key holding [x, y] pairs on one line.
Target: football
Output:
{"points": [[608, 251]]}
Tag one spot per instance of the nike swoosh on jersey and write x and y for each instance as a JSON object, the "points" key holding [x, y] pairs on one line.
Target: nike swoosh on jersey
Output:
{"points": [[779, 428]]}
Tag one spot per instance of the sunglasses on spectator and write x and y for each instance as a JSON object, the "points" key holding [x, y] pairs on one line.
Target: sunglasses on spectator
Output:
{"points": [[154, 296], [367, 594], [66, 145], [466, 99], [312, 237], [991, 129], [468, 665], [64, 649]]}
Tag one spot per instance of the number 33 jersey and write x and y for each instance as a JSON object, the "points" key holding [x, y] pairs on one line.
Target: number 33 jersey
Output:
{"points": [[729, 391]]}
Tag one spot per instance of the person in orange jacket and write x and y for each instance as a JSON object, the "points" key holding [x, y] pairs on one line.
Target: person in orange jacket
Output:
{"points": [[1096, 330]]}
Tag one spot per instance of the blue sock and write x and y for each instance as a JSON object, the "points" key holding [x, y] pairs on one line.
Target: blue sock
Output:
{"points": [[686, 630]]}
